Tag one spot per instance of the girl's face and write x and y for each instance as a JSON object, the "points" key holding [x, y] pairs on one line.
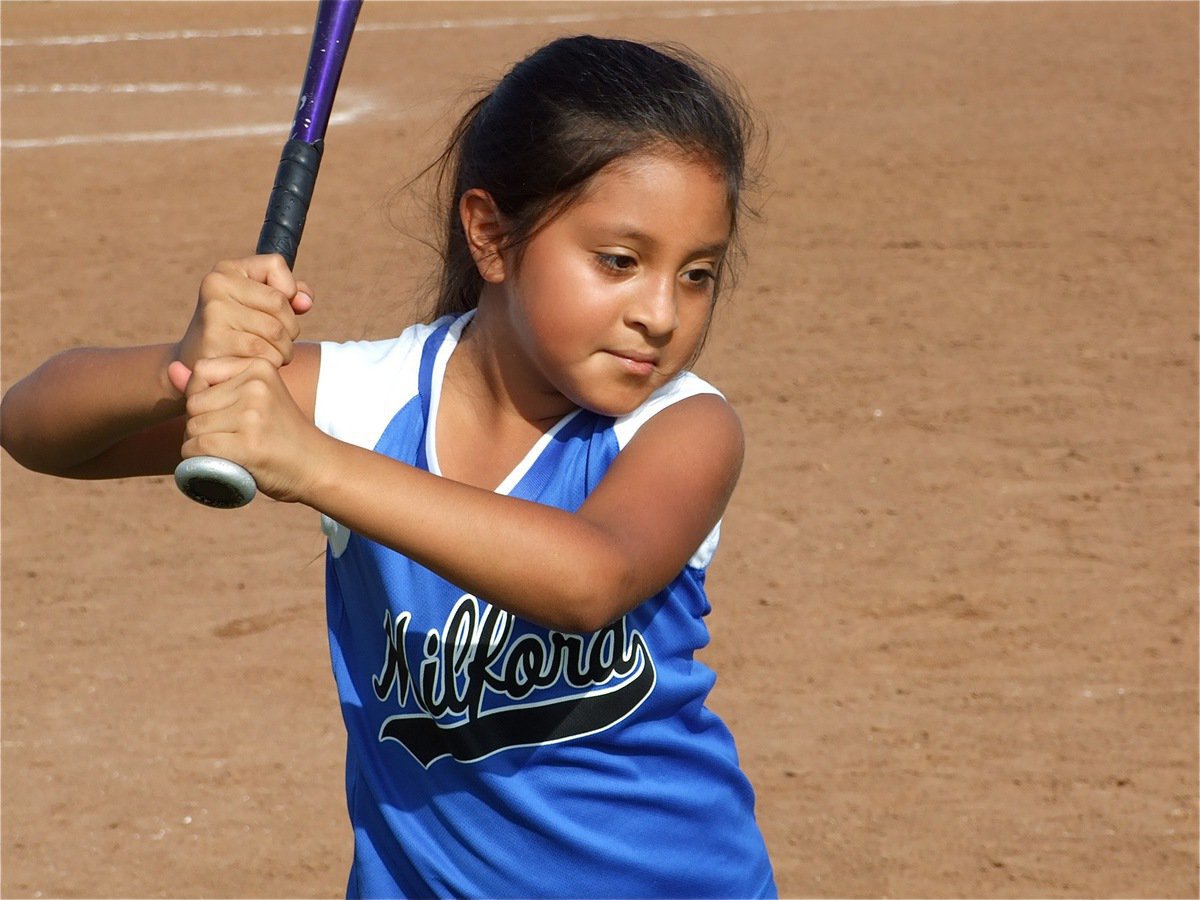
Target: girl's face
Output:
{"points": [[612, 298]]}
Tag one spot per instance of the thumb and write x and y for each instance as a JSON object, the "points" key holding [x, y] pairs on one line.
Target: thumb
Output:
{"points": [[302, 302], [179, 375]]}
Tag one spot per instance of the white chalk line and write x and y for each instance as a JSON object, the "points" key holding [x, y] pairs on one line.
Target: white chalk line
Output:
{"points": [[143, 87], [351, 109], [342, 116], [189, 34], [355, 111], [684, 12]]}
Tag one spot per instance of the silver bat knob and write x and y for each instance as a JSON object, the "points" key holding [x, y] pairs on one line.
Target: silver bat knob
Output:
{"points": [[215, 482]]}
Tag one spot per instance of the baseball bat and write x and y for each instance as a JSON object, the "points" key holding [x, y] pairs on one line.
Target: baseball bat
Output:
{"points": [[208, 479]]}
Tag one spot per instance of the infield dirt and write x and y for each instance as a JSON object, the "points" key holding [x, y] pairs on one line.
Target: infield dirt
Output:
{"points": [[955, 604]]}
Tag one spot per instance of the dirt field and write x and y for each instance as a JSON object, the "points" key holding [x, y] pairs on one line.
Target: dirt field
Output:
{"points": [[956, 603]]}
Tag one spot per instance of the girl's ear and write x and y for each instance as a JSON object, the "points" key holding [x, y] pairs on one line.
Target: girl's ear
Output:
{"points": [[483, 224]]}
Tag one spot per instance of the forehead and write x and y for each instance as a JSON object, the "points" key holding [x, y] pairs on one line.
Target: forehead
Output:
{"points": [[664, 193]]}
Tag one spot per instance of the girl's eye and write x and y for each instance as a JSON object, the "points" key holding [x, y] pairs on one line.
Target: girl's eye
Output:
{"points": [[699, 277], [616, 262]]}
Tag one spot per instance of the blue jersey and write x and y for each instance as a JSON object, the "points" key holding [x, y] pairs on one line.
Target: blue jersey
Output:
{"points": [[491, 757]]}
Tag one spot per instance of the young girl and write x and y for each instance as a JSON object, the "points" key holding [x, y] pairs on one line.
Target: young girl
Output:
{"points": [[521, 497]]}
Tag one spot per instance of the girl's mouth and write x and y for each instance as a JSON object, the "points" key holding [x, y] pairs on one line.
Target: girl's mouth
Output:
{"points": [[636, 363]]}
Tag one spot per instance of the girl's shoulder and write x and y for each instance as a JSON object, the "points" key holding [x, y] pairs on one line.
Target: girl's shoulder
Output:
{"points": [[351, 374], [681, 387], [342, 357], [711, 425]]}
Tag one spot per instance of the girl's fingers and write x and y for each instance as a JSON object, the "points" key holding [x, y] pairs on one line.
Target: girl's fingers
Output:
{"points": [[252, 295], [217, 392], [244, 318], [241, 410], [179, 376], [260, 334], [272, 272], [303, 301], [269, 269], [216, 371], [247, 308]]}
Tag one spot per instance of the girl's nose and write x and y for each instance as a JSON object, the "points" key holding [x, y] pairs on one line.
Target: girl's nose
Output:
{"points": [[653, 308]]}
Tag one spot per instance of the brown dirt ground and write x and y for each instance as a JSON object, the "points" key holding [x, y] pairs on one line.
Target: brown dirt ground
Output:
{"points": [[955, 608]]}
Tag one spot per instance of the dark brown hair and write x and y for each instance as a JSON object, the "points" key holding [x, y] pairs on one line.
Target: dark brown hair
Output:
{"points": [[560, 116]]}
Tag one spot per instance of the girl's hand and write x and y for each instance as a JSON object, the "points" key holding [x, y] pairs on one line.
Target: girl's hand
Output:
{"points": [[240, 409], [247, 308]]}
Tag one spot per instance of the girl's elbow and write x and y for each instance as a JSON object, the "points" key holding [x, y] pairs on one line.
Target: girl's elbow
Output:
{"points": [[24, 440], [581, 622], [13, 437], [583, 619], [30, 457], [597, 600]]}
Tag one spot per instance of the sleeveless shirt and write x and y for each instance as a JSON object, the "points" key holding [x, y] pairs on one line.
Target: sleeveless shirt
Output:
{"points": [[488, 756]]}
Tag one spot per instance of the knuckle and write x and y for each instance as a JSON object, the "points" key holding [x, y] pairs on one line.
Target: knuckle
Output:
{"points": [[251, 420], [280, 304], [205, 445], [263, 352], [260, 368], [253, 346], [210, 284]]}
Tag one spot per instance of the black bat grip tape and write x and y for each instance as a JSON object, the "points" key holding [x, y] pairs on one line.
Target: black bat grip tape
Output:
{"points": [[288, 205]]}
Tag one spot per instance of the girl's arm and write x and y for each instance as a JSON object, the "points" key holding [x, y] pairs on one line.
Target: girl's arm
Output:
{"points": [[115, 413], [571, 571], [112, 413], [74, 415]]}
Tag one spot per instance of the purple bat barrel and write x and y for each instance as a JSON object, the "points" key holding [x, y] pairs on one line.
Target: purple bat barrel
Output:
{"points": [[301, 158], [331, 40]]}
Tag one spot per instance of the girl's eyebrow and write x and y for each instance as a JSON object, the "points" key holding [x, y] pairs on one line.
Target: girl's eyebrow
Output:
{"points": [[633, 233], [717, 250]]}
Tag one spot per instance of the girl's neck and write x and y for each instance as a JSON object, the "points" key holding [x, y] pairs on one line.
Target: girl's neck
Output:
{"points": [[484, 373], [488, 417]]}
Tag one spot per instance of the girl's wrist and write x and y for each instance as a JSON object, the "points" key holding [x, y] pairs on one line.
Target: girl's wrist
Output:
{"points": [[316, 486]]}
